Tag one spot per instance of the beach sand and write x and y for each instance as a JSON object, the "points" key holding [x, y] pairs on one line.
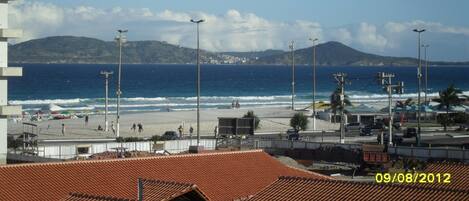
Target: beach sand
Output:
{"points": [[275, 119]]}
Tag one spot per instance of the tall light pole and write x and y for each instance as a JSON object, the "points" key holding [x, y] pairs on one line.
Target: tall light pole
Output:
{"points": [[426, 72], [121, 40], [426, 77], [292, 48], [106, 75], [314, 82], [419, 78], [198, 80]]}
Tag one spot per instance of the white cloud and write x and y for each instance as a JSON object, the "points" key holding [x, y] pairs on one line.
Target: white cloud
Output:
{"points": [[342, 35], [36, 19], [229, 31], [368, 36]]}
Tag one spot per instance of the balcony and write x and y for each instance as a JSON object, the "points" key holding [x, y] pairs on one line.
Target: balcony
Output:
{"points": [[10, 110], [11, 72], [11, 33]]}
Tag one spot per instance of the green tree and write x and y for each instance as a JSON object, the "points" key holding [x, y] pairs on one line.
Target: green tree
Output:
{"points": [[335, 103], [448, 98], [250, 114], [299, 121]]}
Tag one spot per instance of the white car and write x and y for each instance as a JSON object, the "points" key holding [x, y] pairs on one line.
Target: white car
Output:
{"points": [[354, 126]]}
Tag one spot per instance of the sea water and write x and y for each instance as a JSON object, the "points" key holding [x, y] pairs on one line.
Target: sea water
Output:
{"points": [[159, 87]]}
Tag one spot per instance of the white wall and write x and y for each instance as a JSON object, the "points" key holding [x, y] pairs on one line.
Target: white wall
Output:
{"points": [[3, 82], [3, 15], [3, 53]]}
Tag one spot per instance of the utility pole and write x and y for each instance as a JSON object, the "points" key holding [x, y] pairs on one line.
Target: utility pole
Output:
{"points": [[292, 74], [121, 40], [314, 82], [340, 78], [419, 78], [198, 81], [106, 75], [385, 79]]}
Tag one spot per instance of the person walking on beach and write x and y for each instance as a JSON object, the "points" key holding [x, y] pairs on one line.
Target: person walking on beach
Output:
{"points": [[191, 130], [181, 130], [215, 131], [113, 128], [233, 104], [140, 127], [63, 129], [134, 127], [237, 104], [86, 120]]}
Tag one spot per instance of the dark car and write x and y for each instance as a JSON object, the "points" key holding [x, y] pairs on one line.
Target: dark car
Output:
{"points": [[396, 139], [410, 132], [366, 131], [377, 125], [293, 134], [170, 135]]}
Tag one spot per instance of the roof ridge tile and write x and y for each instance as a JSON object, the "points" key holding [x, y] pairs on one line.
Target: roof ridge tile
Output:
{"points": [[130, 159]]}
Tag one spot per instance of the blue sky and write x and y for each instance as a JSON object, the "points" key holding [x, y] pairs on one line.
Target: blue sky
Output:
{"points": [[374, 26]]}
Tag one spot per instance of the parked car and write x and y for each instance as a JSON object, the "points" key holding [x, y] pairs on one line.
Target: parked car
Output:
{"points": [[396, 139], [293, 134], [410, 132], [170, 135], [353, 126], [366, 131], [377, 125]]}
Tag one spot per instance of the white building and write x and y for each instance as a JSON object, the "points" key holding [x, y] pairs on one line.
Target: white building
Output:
{"points": [[5, 72]]}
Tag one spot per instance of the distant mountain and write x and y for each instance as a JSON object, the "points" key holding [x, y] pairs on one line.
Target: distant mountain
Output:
{"points": [[338, 54], [71, 49]]}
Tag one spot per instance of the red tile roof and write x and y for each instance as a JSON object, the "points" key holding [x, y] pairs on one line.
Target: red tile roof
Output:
{"points": [[163, 190], [86, 197], [222, 176], [459, 175], [295, 188]]}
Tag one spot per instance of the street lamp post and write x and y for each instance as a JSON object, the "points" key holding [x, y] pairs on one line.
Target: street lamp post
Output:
{"points": [[419, 78], [426, 77], [106, 75], [314, 82], [293, 74], [121, 40], [198, 80]]}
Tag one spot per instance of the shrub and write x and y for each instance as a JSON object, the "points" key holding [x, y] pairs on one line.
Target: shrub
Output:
{"points": [[445, 120], [299, 121], [250, 114], [155, 138]]}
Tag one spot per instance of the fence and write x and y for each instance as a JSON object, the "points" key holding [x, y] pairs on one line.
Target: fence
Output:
{"points": [[288, 144], [69, 151], [425, 153]]}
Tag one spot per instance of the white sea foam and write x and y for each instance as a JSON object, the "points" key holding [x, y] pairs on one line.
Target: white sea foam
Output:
{"points": [[144, 99], [47, 101]]}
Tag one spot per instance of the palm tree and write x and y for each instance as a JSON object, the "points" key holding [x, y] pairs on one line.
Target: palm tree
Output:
{"points": [[335, 103], [448, 98], [404, 105]]}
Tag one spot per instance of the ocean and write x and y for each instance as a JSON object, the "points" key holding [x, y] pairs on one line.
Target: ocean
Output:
{"points": [[159, 87]]}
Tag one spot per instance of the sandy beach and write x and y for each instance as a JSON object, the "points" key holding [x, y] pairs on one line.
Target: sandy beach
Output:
{"points": [[274, 119]]}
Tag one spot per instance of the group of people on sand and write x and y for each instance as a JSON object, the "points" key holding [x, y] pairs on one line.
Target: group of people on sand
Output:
{"points": [[235, 104], [134, 127]]}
